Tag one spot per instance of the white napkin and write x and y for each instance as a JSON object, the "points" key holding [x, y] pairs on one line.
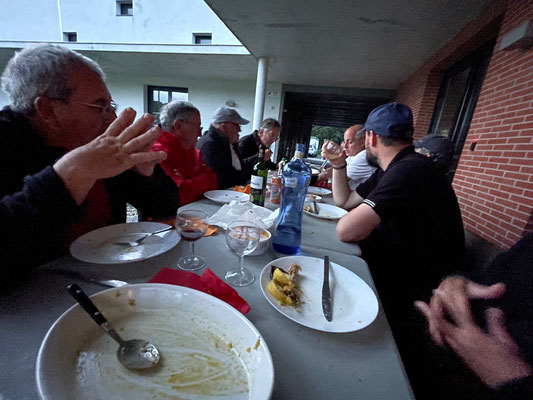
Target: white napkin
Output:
{"points": [[243, 211]]}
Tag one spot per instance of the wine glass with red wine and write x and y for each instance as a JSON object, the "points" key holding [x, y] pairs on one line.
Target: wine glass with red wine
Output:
{"points": [[191, 226]]}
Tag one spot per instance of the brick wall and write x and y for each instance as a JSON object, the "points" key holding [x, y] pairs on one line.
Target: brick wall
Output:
{"points": [[494, 183]]}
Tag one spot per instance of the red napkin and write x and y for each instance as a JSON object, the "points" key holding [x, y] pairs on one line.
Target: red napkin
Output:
{"points": [[208, 283]]}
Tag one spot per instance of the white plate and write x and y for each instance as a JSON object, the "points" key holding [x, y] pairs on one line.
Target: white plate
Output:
{"points": [[318, 190], [354, 304], [225, 196], [317, 198], [98, 246], [191, 329], [327, 211]]}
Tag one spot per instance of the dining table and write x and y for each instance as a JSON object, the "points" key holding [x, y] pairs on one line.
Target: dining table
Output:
{"points": [[308, 363]]}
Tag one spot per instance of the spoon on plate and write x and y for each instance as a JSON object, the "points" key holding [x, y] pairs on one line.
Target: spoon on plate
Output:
{"points": [[133, 354]]}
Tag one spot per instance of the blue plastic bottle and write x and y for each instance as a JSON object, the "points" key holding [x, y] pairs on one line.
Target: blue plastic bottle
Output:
{"points": [[294, 181]]}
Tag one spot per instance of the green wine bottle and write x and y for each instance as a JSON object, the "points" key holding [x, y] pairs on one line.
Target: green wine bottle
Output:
{"points": [[259, 180]]}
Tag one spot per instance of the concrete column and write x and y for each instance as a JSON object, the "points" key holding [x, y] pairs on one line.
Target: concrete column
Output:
{"points": [[260, 91]]}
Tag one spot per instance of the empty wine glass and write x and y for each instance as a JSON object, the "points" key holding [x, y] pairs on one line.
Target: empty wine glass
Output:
{"points": [[242, 237], [191, 226]]}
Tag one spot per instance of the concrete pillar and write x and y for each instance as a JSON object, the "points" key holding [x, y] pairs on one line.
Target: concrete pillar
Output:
{"points": [[260, 91]]}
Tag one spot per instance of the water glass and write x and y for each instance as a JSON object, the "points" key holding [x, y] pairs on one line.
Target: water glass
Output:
{"points": [[242, 238]]}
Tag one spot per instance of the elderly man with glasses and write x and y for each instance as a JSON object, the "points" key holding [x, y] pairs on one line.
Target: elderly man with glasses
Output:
{"points": [[68, 163], [219, 148], [249, 145], [181, 121]]}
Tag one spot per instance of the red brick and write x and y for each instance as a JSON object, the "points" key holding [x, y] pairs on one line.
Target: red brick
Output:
{"points": [[520, 139], [512, 175], [523, 147], [515, 154]]}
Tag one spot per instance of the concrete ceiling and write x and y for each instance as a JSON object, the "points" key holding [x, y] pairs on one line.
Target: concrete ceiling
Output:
{"points": [[365, 43], [169, 65]]}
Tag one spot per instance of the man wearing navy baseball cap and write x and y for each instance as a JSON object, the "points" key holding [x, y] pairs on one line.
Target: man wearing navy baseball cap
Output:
{"points": [[405, 216]]}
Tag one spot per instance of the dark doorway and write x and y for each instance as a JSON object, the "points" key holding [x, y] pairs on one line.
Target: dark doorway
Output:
{"points": [[302, 111]]}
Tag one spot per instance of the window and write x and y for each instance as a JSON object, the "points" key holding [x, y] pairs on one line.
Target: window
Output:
{"points": [[158, 96], [124, 8], [70, 37], [458, 94], [319, 135], [202, 38]]}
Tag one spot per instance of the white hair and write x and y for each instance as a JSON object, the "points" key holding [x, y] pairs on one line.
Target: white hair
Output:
{"points": [[42, 70], [176, 110]]}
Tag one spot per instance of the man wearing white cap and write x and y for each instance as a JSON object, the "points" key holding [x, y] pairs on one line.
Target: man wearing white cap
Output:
{"points": [[219, 147]]}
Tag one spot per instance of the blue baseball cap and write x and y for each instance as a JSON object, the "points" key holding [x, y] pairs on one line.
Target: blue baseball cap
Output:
{"points": [[390, 120]]}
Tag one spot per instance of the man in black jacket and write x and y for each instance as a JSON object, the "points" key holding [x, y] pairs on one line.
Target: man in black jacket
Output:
{"points": [[249, 145], [219, 148], [68, 163]]}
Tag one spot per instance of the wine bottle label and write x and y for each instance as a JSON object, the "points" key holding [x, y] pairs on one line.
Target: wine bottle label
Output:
{"points": [[291, 182], [256, 182]]}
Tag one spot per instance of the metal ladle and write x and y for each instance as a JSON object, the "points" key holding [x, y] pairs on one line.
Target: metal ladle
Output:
{"points": [[133, 354]]}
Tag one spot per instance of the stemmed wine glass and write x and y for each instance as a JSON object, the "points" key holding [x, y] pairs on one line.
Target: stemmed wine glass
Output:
{"points": [[191, 226], [242, 238]]}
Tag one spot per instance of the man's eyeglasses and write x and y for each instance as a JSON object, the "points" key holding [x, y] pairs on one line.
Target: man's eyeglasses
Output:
{"points": [[110, 108], [198, 127]]}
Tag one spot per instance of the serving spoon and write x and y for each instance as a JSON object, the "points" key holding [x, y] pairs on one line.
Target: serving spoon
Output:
{"points": [[133, 354]]}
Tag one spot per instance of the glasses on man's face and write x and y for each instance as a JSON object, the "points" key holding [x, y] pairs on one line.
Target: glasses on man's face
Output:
{"points": [[198, 127], [108, 109], [234, 124]]}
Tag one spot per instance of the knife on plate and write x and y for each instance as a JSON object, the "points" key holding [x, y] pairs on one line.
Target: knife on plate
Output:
{"points": [[326, 296]]}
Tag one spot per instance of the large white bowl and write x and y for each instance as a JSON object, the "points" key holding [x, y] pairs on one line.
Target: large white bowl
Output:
{"points": [[77, 359]]}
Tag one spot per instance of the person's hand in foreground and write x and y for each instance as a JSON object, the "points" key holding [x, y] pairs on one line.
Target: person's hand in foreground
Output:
{"points": [[125, 144], [492, 354]]}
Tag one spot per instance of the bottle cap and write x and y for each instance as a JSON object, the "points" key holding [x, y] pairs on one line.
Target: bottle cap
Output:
{"points": [[300, 147]]}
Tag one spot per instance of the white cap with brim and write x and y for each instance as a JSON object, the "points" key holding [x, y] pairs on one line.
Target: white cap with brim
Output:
{"points": [[226, 114]]}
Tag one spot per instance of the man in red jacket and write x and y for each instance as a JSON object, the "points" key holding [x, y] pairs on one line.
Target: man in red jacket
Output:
{"points": [[180, 121]]}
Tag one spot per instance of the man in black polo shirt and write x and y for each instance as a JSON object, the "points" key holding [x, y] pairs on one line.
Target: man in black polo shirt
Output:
{"points": [[405, 216]]}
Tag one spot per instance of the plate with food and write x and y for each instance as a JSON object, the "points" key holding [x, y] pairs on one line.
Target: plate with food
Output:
{"points": [[208, 349], [101, 246], [310, 197], [325, 211], [295, 290], [225, 196], [318, 190]]}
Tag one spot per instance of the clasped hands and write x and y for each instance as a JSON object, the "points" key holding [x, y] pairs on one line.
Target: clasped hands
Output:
{"points": [[491, 354], [124, 145]]}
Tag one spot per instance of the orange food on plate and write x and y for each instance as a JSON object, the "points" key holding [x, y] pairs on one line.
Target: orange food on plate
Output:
{"points": [[211, 230], [242, 189]]}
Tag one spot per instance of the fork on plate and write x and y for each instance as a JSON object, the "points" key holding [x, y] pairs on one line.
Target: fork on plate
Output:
{"points": [[138, 242]]}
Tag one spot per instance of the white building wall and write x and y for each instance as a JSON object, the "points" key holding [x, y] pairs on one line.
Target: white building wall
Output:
{"points": [[206, 95], [153, 21], [29, 20]]}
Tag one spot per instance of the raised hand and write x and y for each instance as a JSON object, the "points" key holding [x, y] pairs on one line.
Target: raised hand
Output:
{"points": [[124, 145]]}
